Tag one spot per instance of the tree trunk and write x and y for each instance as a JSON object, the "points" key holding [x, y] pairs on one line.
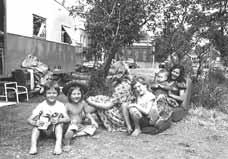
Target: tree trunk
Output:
{"points": [[111, 55], [198, 70]]}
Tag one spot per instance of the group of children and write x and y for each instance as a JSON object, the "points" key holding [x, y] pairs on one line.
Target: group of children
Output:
{"points": [[51, 116], [155, 107]]}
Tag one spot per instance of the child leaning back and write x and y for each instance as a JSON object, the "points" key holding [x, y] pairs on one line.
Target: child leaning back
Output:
{"points": [[48, 119]]}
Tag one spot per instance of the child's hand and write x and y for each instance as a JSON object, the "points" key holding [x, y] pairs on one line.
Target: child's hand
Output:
{"points": [[39, 123], [173, 88], [33, 122], [154, 86], [54, 121]]}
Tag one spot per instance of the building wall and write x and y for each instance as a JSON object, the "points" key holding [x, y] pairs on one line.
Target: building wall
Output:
{"points": [[51, 53], [139, 53], [20, 18]]}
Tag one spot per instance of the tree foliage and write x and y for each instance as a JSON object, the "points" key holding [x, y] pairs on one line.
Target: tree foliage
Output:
{"points": [[176, 24], [213, 17], [206, 19], [113, 24]]}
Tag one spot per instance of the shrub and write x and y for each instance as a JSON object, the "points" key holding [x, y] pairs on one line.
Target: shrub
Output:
{"points": [[209, 92], [217, 76], [97, 84]]}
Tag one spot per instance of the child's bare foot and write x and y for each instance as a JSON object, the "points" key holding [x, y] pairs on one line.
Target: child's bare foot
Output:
{"points": [[129, 130], [33, 151], [67, 148], [57, 150], [136, 132]]}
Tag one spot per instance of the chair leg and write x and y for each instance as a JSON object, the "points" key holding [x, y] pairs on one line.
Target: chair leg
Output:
{"points": [[6, 98], [6, 95], [27, 96], [17, 97]]}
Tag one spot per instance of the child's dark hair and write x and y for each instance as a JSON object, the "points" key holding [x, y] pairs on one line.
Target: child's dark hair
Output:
{"points": [[52, 84], [182, 73], [70, 92]]}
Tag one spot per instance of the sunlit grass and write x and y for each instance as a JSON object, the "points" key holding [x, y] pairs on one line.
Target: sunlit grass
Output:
{"points": [[209, 118]]}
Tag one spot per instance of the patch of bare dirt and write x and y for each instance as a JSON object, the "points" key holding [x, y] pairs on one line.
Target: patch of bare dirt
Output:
{"points": [[189, 139]]}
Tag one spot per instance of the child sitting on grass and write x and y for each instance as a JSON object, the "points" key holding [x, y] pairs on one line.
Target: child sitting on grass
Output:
{"points": [[141, 108], [78, 109], [48, 118], [163, 88]]}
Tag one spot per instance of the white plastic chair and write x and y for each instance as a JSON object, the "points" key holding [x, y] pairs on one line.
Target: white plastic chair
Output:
{"points": [[8, 85]]}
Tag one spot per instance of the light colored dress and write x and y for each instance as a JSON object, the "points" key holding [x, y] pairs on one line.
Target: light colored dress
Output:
{"points": [[113, 119]]}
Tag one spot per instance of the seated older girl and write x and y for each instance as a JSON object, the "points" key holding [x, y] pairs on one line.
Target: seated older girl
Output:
{"points": [[110, 109], [172, 98]]}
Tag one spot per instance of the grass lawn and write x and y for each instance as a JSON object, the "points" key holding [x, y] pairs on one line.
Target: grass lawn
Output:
{"points": [[202, 135]]}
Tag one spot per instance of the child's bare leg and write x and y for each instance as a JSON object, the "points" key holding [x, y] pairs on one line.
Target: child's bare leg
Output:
{"points": [[67, 139], [34, 139], [59, 137], [126, 117], [136, 115]]}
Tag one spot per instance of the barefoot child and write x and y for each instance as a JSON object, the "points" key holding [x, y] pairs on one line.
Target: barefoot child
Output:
{"points": [[78, 109], [142, 108], [48, 118]]}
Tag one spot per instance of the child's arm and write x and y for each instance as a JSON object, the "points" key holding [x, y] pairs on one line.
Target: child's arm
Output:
{"points": [[146, 106], [92, 120], [154, 85], [31, 120], [145, 109], [88, 110], [65, 117], [34, 118], [105, 105], [166, 86], [176, 97]]}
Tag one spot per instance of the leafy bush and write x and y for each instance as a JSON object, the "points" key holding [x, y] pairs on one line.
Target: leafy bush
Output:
{"points": [[217, 76], [209, 92], [97, 84]]}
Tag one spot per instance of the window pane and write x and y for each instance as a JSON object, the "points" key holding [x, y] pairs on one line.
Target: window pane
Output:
{"points": [[65, 37], [39, 26]]}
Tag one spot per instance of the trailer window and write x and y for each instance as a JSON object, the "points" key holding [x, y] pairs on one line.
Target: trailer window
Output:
{"points": [[39, 26], [66, 34]]}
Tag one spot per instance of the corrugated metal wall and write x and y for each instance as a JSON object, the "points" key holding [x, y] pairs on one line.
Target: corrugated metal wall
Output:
{"points": [[50, 53]]}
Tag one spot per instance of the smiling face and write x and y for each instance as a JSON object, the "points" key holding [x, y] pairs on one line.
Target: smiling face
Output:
{"points": [[140, 88], [175, 73], [51, 95], [162, 76], [76, 95]]}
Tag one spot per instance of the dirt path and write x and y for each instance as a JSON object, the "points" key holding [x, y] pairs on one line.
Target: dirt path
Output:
{"points": [[187, 139]]}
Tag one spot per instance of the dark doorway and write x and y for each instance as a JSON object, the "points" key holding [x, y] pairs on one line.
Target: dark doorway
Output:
{"points": [[2, 34]]}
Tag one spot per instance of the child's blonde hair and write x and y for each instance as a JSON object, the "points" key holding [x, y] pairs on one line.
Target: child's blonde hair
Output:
{"points": [[162, 71]]}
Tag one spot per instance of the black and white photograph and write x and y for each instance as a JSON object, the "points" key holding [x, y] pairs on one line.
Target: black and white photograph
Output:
{"points": [[113, 79]]}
